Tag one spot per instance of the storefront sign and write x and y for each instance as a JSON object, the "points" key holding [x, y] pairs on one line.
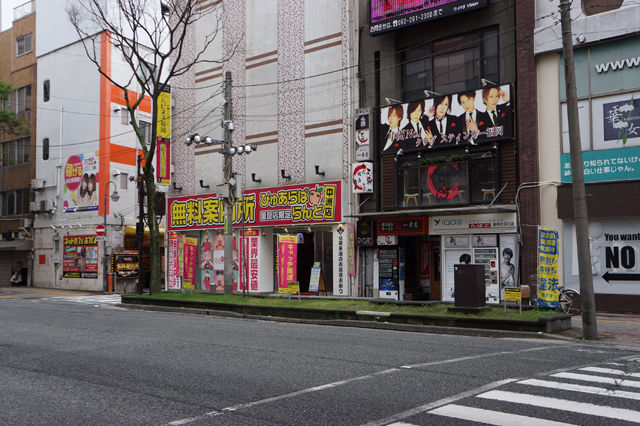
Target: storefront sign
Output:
{"points": [[125, 265], [81, 186], [365, 233], [489, 223], [404, 225], [351, 249], [605, 165], [548, 283], [340, 282], [80, 256], [287, 260], [362, 178], [296, 204]]}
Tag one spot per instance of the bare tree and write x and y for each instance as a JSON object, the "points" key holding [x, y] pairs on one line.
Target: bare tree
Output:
{"points": [[151, 36]]}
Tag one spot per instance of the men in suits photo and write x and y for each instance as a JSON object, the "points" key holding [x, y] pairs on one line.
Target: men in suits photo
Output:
{"points": [[498, 117], [443, 129]]}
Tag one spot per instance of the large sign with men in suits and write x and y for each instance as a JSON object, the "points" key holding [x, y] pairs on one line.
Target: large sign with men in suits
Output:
{"points": [[473, 117]]}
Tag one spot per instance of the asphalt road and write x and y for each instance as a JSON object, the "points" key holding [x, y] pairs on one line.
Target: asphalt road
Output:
{"points": [[65, 362]]}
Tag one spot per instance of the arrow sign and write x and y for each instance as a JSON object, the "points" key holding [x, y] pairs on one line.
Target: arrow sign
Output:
{"points": [[620, 277]]}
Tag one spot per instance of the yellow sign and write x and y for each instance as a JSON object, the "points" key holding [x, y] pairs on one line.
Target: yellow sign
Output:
{"points": [[163, 125], [512, 294]]}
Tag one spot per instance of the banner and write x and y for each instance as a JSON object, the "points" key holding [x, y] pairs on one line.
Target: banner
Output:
{"points": [[81, 184], [548, 283], [80, 256], [306, 204], [472, 117], [287, 260], [190, 253]]}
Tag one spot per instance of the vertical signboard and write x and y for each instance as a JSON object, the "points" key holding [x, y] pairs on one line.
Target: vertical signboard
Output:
{"points": [[287, 261], [548, 282]]}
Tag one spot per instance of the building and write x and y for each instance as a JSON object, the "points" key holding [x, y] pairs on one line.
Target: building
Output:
{"points": [[17, 168], [291, 66], [606, 38], [449, 90], [86, 152]]}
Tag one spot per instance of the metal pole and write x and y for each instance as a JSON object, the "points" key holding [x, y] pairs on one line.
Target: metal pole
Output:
{"points": [[589, 326], [228, 165]]}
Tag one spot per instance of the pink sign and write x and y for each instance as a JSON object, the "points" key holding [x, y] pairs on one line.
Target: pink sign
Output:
{"points": [[287, 260]]}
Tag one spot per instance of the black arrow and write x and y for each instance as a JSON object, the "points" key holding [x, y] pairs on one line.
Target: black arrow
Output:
{"points": [[620, 277]]}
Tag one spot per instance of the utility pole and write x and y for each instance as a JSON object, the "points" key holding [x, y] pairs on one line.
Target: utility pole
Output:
{"points": [[228, 169], [589, 326]]}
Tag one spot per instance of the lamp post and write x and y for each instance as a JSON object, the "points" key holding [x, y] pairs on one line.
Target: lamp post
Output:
{"points": [[115, 197]]}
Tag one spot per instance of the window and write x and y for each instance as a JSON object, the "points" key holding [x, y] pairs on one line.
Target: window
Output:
{"points": [[15, 152], [45, 91], [450, 65], [45, 148], [23, 45], [15, 202], [454, 178]]}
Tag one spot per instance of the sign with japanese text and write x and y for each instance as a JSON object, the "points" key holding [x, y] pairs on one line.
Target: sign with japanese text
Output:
{"points": [[190, 254], [125, 265], [81, 184], [405, 225], [605, 165], [296, 204], [548, 283], [80, 256], [287, 261]]}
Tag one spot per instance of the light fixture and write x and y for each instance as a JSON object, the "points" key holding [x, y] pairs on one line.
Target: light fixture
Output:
{"points": [[318, 172], [392, 101], [253, 178], [430, 94], [202, 185], [486, 82], [287, 177]]}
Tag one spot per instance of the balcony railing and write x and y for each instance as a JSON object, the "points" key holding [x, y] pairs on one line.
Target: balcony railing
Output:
{"points": [[23, 10]]}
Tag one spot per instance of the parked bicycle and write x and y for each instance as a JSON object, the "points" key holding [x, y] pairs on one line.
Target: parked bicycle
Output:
{"points": [[570, 301]]}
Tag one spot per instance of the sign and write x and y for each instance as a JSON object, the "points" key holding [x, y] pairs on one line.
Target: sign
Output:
{"points": [[287, 260], [362, 136], [404, 225], [548, 282], [512, 294], [80, 256], [362, 178], [314, 279], [99, 230], [81, 185], [125, 265], [488, 223], [605, 165], [393, 15], [447, 121], [308, 204]]}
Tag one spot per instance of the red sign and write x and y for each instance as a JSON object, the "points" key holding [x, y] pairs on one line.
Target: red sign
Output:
{"points": [[286, 205], [99, 230], [409, 225]]}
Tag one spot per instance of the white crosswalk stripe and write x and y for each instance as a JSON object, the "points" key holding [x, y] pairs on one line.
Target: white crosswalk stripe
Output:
{"points": [[565, 392], [107, 299]]}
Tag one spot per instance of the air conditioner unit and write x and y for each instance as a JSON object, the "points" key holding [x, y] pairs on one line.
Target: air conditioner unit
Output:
{"points": [[33, 206], [37, 184]]}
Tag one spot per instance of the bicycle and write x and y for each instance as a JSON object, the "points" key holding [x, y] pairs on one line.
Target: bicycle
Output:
{"points": [[570, 301]]}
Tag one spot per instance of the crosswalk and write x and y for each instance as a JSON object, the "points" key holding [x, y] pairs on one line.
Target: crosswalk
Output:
{"points": [[600, 394], [106, 299]]}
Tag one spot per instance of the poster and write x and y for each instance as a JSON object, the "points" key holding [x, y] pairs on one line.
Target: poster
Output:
{"points": [[475, 117], [80, 256], [81, 184], [190, 255], [548, 283], [287, 260], [175, 275]]}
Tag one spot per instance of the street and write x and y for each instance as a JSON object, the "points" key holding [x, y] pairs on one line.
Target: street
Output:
{"points": [[84, 360]]}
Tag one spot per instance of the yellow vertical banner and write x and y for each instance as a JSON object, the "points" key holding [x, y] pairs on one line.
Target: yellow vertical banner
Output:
{"points": [[548, 281]]}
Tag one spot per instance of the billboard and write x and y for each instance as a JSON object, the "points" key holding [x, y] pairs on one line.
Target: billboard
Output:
{"points": [[472, 117], [286, 205], [389, 15]]}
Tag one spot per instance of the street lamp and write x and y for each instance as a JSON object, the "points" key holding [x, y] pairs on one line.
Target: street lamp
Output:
{"points": [[115, 197]]}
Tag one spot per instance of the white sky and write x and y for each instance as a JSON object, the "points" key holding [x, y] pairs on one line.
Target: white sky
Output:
{"points": [[7, 11]]}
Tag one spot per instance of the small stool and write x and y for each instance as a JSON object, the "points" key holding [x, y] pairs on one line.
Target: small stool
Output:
{"points": [[413, 197], [486, 192]]}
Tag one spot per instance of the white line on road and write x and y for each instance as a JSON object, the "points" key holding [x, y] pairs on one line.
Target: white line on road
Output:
{"points": [[609, 371], [580, 388], [430, 406], [491, 417], [598, 379], [564, 405]]}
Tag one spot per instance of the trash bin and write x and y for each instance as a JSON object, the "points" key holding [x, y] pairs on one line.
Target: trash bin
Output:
{"points": [[469, 286]]}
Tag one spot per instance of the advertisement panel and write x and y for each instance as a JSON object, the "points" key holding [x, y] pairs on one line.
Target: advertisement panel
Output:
{"points": [[480, 116], [392, 15], [81, 184], [296, 204], [548, 282], [80, 256]]}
